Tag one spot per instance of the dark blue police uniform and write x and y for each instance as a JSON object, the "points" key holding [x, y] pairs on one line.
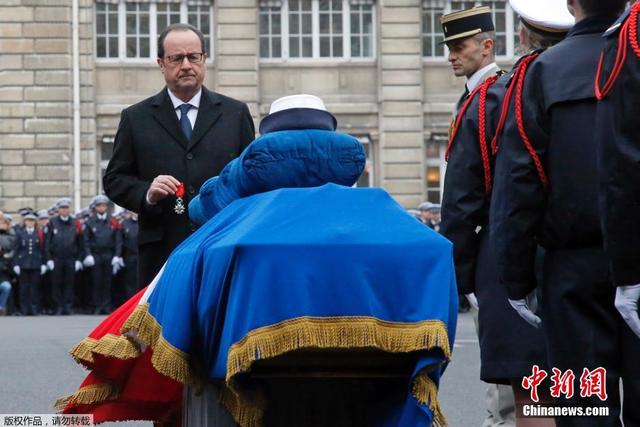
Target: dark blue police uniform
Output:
{"points": [[102, 240], [64, 246], [29, 256]]}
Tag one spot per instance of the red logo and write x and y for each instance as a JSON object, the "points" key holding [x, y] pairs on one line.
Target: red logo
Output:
{"points": [[534, 381], [562, 383], [594, 383]]}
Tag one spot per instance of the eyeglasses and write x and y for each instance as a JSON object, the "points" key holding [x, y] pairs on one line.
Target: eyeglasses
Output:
{"points": [[194, 58]]}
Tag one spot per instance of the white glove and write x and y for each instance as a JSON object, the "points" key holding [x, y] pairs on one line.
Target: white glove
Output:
{"points": [[16, 269], [117, 264], [526, 308], [78, 266], [473, 301], [43, 269], [627, 304], [89, 261], [50, 265]]}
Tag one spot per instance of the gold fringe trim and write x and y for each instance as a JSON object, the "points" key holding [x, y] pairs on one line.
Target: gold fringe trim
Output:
{"points": [[425, 392], [332, 332], [166, 359], [87, 395], [110, 345], [335, 332]]}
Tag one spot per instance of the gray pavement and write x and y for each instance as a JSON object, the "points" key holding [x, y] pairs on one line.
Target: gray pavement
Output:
{"points": [[35, 368]]}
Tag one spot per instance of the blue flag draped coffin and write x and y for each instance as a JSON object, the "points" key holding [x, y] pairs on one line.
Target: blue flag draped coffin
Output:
{"points": [[328, 267]]}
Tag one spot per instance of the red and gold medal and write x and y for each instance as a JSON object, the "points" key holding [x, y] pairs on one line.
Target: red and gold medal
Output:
{"points": [[179, 207]]}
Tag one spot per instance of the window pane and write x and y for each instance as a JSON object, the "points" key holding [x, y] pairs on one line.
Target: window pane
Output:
{"points": [[324, 4], [144, 47], [275, 23], [101, 24], [162, 23], [113, 47], [131, 47], [337, 47], [306, 5], [294, 24], [306, 24], [264, 23], [307, 50], [131, 24], [355, 46], [276, 48], [337, 23], [337, 4], [113, 23], [324, 24], [432, 30], [355, 23], [294, 47], [325, 47], [101, 47], [144, 24], [264, 47]]}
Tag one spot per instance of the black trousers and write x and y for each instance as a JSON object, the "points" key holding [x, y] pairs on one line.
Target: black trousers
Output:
{"points": [[29, 290], [130, 276], [583, 329], [63, 279], [101, 283]]}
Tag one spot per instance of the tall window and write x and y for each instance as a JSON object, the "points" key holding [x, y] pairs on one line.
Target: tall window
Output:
{"points": [[128, 30], [316, 29], [435, 164], [137, 30], [270, 30], [107, 30], [361, 30], [503, 16]]}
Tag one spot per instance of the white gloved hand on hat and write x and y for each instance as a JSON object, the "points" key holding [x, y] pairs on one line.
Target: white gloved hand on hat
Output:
{"points": [[78, 266], [627, 304], [50, 265], [16, 269], [43, 269], [526, 308], [89, 261]]}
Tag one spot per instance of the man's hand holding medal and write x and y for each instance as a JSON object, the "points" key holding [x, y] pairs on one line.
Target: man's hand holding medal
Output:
{"points": [[164, 186]]}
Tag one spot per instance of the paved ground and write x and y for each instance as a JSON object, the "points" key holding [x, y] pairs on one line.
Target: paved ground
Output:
{"points": [[35, 368]]}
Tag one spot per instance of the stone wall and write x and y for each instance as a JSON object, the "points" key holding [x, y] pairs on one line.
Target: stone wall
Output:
{"points": [[36, 103]]}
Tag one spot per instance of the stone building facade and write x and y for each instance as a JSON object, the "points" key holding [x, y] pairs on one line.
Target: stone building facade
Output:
{"points": [[377, 64]]}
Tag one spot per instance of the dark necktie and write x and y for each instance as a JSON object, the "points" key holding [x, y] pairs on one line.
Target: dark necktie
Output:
{"points": [[185, 124]]}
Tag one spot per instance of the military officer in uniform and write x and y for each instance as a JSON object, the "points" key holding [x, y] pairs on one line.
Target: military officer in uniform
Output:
{"points": [[45, 280], [63, 251], [509, 346], [103, 251], [28, 265], [470, 38], [130, 253], [618, 130], [545, 189]]}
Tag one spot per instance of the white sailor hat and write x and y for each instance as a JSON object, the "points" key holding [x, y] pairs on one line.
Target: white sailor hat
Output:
{"points": [[43, 214], [298, 112], [544, 16], [30, 215]]}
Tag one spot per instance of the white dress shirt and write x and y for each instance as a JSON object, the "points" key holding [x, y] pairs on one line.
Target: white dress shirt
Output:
{"points": [[476, 78], [192, 114]]}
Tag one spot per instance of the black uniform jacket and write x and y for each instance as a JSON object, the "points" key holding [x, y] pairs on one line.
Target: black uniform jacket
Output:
{"points": [[149, 142], [465, 201], [63, 240], [102, 237], [618, 130], [29, 250], [558, 111]]}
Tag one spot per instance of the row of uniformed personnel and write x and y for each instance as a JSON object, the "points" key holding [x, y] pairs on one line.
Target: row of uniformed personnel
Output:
{"points": [[523, 179], [64, 245]]}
